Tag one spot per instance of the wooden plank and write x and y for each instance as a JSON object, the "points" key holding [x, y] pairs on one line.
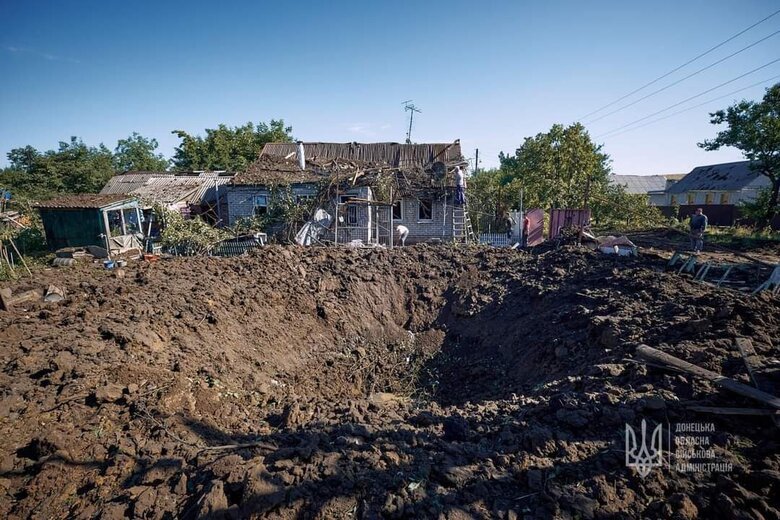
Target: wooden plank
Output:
{"points": [[734, 411], [754, 366], [20, 257], [749, 356], [663, 358]]}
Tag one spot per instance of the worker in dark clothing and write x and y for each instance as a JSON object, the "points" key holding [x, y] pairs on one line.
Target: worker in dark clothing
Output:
{"points": [[526, 229], [698, 227]]}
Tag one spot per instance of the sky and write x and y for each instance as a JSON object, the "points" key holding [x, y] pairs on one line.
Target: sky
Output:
{"points": [[488, 73]]}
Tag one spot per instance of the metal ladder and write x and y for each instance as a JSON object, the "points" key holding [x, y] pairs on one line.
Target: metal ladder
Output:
{"points": [[461, 225]]}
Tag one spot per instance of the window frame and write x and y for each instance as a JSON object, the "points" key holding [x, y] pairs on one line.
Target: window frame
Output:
{"points": [[420, 205], [256, 206], [400, 205], [352, 213]]}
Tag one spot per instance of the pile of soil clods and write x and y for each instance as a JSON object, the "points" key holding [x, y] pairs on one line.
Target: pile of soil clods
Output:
{"points": [[417, 382]]}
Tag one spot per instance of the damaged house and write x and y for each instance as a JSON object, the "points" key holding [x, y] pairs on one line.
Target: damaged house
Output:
{"points": [[366, 188], [190, 193]]}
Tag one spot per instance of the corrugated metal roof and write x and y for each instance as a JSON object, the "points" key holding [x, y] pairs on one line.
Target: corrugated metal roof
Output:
{"points": [[124, 183], [169, 184], [717, 177], [640, 184], [84, 201], [393, 154], [169, 190]]}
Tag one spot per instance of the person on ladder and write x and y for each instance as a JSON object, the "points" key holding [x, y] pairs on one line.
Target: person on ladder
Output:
{"points": [[460, 187]]}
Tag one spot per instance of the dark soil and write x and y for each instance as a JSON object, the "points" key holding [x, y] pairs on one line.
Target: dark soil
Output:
{"points": [[420, 382]]}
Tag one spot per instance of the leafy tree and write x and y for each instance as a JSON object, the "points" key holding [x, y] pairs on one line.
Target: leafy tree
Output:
{"points": [[73, 168], [227, 148], [136, 153], [560, 168], [754, 128]]}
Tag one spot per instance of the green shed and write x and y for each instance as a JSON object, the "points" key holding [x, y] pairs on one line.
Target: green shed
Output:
{"points": [[90, 219]]}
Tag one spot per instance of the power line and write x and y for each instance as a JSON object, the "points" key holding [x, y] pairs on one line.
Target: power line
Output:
{"points": [[653, 93], [691, 98], [659, 78], [690, 108]]}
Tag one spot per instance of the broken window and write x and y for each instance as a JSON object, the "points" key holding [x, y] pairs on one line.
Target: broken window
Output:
{"points": [[132, 225], [352, 214], [261, 205], [425, 209], [115, 223], [398, 213]]}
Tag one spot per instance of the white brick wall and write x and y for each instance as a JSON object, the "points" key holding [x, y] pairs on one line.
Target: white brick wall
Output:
{"points": [[240, 204]]}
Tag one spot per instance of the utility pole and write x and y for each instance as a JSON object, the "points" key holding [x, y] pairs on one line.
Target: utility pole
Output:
{"points": [[476, 162], [409, 107]]}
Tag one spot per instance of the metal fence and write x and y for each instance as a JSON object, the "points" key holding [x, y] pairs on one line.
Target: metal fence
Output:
{"points": [[496, 239], [363, 224]]}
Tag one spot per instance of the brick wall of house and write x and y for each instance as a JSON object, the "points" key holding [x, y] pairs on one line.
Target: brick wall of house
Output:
{"points": [[422, 230], [241, 199]]}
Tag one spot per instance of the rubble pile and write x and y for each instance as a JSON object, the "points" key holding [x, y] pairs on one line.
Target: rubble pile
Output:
{"points": [[428, 381]]}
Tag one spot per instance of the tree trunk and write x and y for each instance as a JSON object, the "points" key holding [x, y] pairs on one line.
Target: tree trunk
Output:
{"points": [[771, 208]]}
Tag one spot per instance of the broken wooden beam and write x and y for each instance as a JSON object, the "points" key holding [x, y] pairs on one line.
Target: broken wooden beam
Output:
{"points": [[657, 356], [754, 366]]}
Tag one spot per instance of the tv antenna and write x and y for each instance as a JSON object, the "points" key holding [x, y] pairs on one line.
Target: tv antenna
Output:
{"points": [[409, 107]]}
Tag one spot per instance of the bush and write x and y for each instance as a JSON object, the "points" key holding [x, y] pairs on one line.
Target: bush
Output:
{"points": [[186, 237]]}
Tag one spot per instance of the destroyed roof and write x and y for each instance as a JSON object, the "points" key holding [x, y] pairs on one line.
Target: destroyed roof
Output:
{"points": [[84, 201], [393, 154], [269, 170], [719, 177], [169, 183], [640, 184], [169, 190]]}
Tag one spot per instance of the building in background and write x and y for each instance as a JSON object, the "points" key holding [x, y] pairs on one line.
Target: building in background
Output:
{"points": [[726, 184], [654, 186]]}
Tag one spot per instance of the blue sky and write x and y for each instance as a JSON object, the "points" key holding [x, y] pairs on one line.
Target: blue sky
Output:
{"points": [[489, 73]]}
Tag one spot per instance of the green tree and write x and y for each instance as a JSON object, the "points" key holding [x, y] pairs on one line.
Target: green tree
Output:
{"points": [[227, 148], [560, 168], [754, 128], [137, 153], [73, 168]]}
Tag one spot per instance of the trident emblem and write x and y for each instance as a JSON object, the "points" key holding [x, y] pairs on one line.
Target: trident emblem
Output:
{"points": [[644, 457]]}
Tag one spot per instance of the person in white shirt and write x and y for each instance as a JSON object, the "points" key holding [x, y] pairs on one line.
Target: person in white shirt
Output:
{"points": [[460, 186], [401, 232]]}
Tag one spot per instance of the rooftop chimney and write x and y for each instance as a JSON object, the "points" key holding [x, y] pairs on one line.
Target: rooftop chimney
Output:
{"points": [[301, 156]]}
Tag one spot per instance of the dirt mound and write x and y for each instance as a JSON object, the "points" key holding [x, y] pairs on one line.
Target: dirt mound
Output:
{"points": [[417, 382]]}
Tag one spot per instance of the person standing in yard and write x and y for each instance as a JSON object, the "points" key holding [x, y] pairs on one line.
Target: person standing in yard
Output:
{"points": [[698, 227], [526, 229], [460, 186]]}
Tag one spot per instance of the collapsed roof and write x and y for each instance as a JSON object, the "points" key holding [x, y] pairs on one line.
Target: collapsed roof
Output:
{"points": [[413, 167]]}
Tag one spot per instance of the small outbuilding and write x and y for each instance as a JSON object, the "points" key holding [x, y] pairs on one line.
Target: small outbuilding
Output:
{"points": [[109, 221]]}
